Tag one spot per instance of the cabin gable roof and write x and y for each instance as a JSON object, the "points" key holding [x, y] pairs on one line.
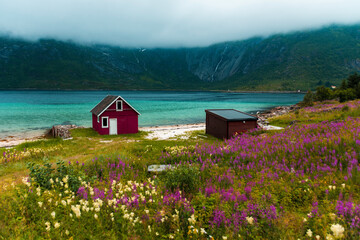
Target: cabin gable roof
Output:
{"points": [[107, 102]]}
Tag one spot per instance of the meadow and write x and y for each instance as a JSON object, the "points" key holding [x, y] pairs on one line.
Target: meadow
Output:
{"points": [[302, 182]]}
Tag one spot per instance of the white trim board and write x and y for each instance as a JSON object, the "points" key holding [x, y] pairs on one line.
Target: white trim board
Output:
{"points": [[122, 105], [116, 100]]}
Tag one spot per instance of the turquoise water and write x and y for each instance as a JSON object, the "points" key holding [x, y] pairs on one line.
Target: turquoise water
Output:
{"points": [[29, 113]]}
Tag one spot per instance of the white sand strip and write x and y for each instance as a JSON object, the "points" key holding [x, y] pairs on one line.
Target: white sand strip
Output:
{"points": [[167, 132]]}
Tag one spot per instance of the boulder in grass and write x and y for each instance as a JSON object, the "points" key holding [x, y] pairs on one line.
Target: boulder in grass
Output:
{"points": [[159, 168]]}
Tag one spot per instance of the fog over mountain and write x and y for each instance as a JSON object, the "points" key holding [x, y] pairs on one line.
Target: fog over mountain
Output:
{"points": [[283, 62], [164, 23]]}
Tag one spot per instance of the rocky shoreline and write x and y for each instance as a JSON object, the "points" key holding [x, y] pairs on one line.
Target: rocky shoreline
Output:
{"points": [[273, 112]]}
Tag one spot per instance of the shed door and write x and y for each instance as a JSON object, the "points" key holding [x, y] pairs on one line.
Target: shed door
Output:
{"points": [[113, 126]]}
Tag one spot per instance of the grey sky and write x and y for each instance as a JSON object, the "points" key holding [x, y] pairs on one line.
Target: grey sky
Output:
{"points": [[168, 23]]}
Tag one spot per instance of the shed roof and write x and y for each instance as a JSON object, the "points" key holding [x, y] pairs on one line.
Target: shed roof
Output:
{"points": [[107, 102], [231, 114]]}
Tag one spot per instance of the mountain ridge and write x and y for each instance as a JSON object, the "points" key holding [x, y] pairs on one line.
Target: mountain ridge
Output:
{"points": [[282, 62]]}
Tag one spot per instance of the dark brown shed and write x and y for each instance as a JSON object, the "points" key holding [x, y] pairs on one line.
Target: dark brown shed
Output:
{"points": [[224, 123]]}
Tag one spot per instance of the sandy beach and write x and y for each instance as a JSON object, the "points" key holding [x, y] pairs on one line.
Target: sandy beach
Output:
{"points": [[172, 131], [13, 141]]}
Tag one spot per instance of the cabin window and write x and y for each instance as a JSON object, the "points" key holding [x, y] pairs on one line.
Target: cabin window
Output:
{"points": [[105, 122], [119, 105]]}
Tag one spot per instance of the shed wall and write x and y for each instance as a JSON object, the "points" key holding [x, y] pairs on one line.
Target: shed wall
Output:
{"points": [[240, 126], [215, 126]]}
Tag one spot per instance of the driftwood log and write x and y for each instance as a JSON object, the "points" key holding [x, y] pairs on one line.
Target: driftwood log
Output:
{"points": [[62, 131]]}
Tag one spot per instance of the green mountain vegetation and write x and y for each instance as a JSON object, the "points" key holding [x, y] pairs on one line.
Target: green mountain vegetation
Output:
{"points": [[284, 62]]}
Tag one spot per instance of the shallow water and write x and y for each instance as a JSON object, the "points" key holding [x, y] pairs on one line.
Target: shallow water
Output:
{"points": [[30, 113]]}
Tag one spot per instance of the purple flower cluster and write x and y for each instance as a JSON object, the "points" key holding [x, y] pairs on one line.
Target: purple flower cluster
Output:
{"points": [[350, 212]]}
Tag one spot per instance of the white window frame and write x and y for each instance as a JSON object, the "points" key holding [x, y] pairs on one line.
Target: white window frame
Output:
{"points": [[122, 105], [98, 119], [102, 122]]}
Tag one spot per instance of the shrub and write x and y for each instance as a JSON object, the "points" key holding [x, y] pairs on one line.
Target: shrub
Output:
{"points": [[323, 93], [185, 178], [62, 176], [308, 100], [346, 95]]}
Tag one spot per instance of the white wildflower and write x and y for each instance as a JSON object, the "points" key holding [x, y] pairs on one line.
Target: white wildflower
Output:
{"points": [[224, 237], [343, 185], [25, 181], [38, 191], [309, 232], [67, 232], [48, 227], [76, 210], [63, 202], [40, 204], [53, 215], [95, 216], [317, 237], [192, 219], [338, 230], [65, 179], [56, 225], [329, 237], [250, 220]]}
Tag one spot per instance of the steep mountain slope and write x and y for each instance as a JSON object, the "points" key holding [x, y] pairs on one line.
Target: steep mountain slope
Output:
{"points": [[300, 60]]}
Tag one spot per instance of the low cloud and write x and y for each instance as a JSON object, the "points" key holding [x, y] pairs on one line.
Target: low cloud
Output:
{"points": [[168, 23]]}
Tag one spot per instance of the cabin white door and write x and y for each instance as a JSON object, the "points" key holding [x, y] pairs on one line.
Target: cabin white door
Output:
{"points": [[113, 126]]}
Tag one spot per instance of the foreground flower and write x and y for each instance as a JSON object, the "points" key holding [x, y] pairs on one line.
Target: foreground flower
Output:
{"points": [[309, 233], [53, 214], [47, 224], [250, 220], [338, 230], [56, 225], [76, 210], [192, 219]]}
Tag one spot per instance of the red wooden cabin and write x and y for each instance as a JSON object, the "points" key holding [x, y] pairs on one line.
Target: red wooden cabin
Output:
{"points": [[113, 115]]}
